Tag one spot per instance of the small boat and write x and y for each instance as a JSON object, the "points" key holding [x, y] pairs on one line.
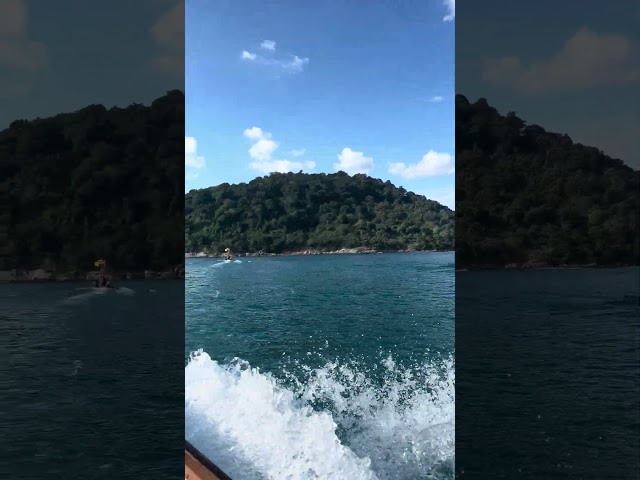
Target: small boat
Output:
{"points": [[199, 467], [102, 279]]}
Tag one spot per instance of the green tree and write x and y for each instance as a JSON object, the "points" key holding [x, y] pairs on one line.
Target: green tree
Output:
{"points": [[287, 212]]}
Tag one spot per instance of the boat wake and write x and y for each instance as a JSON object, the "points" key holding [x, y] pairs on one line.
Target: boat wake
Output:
{"points": [[91, 292], [341, 421], [225, 262]]}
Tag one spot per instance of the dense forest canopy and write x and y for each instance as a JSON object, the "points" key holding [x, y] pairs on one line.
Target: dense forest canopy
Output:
{"points": [[96, 183], [528, 196], [298, 211]]}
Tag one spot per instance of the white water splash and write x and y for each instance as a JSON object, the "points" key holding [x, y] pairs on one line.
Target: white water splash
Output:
{"points": [[255, 429], [336, 423], [404, 421], [224, 262]]}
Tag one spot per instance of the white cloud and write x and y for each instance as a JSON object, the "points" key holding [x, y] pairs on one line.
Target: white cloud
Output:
{"points": [[353, 162], [17, 50], [432, 164], [168, 33], [191, 157], [255, 133], [436, 99], [263, 149], [298, 153], [587, 59], [264, 146], [262, 153], [297, 64], [268, 45], [282, 166], [291, 63], [451, 10]]}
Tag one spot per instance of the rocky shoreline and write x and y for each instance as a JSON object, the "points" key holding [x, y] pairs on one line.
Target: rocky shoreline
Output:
{"points": [[43, 275], [342, 251]]}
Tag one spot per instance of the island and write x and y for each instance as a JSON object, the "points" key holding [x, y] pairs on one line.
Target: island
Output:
{"points": [[97, 183], [300, 213], [529, 198]]}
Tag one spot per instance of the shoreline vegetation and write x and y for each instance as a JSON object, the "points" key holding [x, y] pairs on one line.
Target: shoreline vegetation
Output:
{"points": [[529, 198], [365, 251], [40, 275], [526, 199], [311, 252], [44, 276], [96, 183], [299, 212]]}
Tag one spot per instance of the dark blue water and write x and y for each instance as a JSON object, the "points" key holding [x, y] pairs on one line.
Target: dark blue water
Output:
{"points": [[366, 340], [548, 374], [93, 382]]}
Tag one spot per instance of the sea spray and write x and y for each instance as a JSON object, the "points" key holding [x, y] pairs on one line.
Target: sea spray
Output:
{"points": [[401, 417], [254, 428], [341, 421]]}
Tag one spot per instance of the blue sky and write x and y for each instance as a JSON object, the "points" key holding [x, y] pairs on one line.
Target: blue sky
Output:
{"points": [[55, 60], [351, 85], [570, 70]]}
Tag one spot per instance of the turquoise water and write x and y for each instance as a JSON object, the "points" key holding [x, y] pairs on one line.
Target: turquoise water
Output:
{"points": [[322, 367]]}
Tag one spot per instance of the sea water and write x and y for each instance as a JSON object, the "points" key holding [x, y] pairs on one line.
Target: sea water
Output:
{"points": [[324, 367], [92, 380], [548, 374]]}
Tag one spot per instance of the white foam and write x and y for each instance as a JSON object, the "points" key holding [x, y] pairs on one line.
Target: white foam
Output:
{"points": [[404, 422], [125, 291], [90, 292], [253, 427]]}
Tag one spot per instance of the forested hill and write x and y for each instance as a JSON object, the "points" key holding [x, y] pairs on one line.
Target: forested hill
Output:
{"points": [[528, 196], [297, 211], [96, 183]]}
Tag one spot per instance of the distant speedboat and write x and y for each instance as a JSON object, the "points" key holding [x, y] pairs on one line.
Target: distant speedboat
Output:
{"points": [[102, 279]]}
